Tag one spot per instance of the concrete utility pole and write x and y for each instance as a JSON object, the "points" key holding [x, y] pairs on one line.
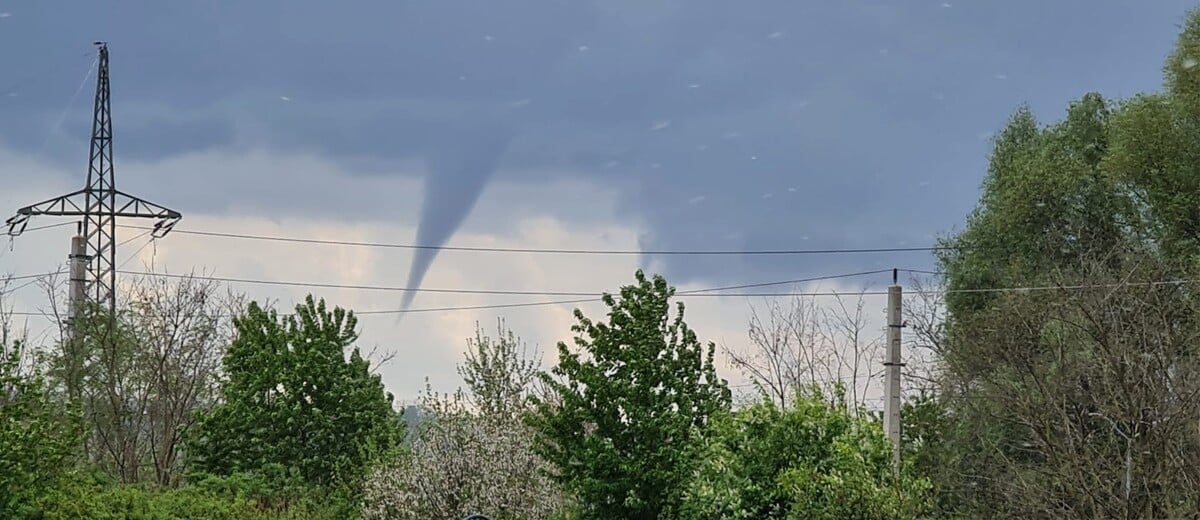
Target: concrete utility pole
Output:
{"points": [[79, 264], [77, 301], [891, 405]]}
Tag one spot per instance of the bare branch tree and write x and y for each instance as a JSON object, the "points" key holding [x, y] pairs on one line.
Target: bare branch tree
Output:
{"points": [[499, 372], [797, 344], [1090, 397], [182, 331], [924, 316], [142, 375]]}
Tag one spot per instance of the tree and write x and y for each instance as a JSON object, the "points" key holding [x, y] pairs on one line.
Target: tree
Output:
{"points": [[472, 453], [291, 399], [499, 372], [801, 345], [459, 463], [141, 376], [818, 459], [630, 405], [1079, 399], [39, 436], [1155, 140]]}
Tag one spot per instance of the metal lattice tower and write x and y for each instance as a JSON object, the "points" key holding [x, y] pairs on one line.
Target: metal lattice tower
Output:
{"points": [[99, 202]]}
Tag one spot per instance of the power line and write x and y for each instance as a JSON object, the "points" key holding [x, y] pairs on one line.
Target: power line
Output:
{"points": [[692, 292], [786, 282], [920, 271], [556, 251], [131, 239], [66, 111], [137, 252], [798, 295], [594, 297]]}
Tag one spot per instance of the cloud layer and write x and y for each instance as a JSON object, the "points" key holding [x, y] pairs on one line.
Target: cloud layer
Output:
{"points": [[851, 124], [427, 344]]}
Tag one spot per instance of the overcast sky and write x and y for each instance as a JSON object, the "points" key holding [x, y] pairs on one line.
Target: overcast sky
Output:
{"points": [[625, 124]]}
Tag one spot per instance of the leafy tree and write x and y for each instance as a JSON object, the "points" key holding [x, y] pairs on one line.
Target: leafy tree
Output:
{"points": [[1155, 145], [926, 450], [292, 399], [818, 459], [1046, 201], [630, 405], [39, 437], [1079, 401]]}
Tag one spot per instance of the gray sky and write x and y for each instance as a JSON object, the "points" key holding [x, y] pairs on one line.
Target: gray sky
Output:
{"points": [[697, 124]]}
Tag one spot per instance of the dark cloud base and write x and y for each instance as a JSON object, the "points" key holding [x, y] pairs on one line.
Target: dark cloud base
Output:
{"points": [[779, 126]]}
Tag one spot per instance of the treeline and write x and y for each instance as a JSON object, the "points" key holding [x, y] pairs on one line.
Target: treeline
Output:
{"points": [[189, 405], [1057, 378]]}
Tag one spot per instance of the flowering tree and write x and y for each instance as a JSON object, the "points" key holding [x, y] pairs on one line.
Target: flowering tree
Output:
{"points": [[473, 454]]}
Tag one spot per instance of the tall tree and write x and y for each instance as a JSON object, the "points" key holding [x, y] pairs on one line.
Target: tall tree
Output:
{"points": [[1078, 400], [291, 398], [1154, 150], [630, 405], [141, 376]]}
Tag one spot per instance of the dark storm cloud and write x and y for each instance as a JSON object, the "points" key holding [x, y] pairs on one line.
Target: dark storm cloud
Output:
{"points": [[772, 125]]}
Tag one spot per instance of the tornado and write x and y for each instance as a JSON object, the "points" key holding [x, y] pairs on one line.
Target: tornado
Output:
{"points": [[459, 168]]}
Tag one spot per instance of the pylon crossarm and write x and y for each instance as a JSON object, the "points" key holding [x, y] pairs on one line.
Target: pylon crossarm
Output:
{"points": [[130, 206], [74, 204], [63, 205]]}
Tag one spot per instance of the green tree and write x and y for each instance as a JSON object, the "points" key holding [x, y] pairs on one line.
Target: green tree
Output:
{"points": [[39, 437], [818, 459], [629, 406], [293, 401], [1154, 150], [1065, 402]]}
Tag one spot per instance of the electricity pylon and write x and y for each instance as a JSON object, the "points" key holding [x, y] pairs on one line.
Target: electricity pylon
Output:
{"points": [[99, 203]]}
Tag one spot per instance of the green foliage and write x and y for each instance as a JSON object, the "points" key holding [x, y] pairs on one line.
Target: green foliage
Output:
{"points": [[815, 460], [236, 498], [1045, 397], [629, 406], [929, 427], [39, 437], [295, 403], [1155, 145], [1046, 200]]}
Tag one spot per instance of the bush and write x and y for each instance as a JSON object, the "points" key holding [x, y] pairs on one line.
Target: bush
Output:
{"points": [[815, 460], [234, 498]]}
